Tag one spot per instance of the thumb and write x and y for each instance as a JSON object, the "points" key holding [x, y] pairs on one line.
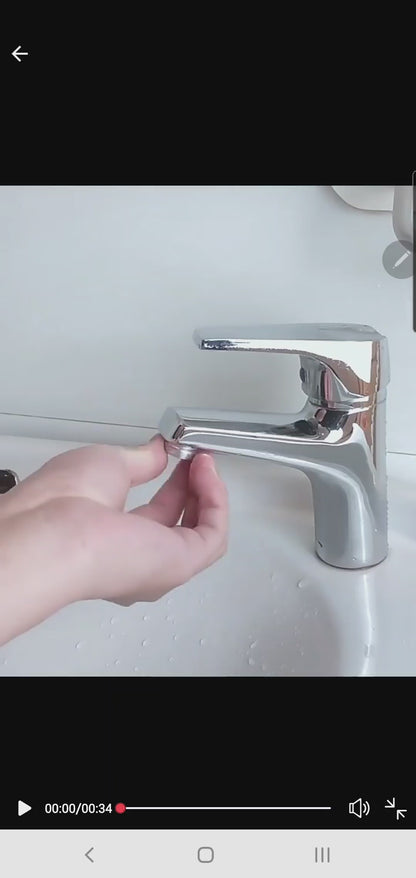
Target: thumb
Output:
{"points": [[145, 462], [103, 473]]}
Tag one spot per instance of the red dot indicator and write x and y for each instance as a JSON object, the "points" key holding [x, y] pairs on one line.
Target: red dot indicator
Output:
{"points": [[120, 808]]}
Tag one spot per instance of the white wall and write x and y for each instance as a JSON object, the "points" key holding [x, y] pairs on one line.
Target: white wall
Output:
{"points": [[103, 286]]}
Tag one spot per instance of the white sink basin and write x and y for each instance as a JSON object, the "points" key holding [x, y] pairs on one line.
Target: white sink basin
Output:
{"points": [[269, 607]]}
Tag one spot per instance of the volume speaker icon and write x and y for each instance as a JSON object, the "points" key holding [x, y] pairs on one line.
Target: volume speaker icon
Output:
{"points": [[359, 808]]}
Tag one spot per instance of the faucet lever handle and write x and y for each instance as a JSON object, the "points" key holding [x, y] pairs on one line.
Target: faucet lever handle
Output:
{"points": [[340, 363]]}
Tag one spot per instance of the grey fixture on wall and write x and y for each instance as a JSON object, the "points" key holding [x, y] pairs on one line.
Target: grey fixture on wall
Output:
{"points": [[403, 214], [338, 439], [396, 199]]}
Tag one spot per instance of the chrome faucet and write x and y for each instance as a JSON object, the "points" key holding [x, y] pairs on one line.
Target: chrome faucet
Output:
{"points": [[338, 438]]}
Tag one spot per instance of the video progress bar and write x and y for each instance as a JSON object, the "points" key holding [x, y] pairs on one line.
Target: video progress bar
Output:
{"points": [[229, 808]]}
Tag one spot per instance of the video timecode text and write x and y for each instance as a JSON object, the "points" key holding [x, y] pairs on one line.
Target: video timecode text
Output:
{"points": [[78, 808]]}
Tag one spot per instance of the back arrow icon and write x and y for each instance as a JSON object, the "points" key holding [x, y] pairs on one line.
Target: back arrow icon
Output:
{"points": [[16, 54], [88, 855], [401, 813]]}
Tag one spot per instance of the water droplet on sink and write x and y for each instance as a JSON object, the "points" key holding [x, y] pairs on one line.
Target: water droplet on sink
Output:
{"points": [[113, 620], [145, 642], [136, 670], [302, 652], [368, 650], [116, 661], [264, 667], [174, 636], [301, 583], [251, 662], [253, 645], [170, 618], [78, 645], [171, 659], [146, 618], [202, 641], [110, 636]]}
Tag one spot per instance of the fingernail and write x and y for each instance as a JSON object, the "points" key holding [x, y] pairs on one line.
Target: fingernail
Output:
{"points": [[208, 460], [155, 440], [145, 446]]}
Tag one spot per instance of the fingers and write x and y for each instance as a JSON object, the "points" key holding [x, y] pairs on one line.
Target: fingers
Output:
{"points": [[142, 559], [167, 505], [207, 540]]}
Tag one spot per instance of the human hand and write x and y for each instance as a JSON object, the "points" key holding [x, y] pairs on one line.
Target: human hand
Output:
{"points": [[65, 537]]}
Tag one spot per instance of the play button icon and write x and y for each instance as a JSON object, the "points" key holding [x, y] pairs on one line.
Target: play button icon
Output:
{"points": [[23, 808]]}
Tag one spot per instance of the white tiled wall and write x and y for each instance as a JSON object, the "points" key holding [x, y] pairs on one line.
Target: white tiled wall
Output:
{"points": [[101, 288]]}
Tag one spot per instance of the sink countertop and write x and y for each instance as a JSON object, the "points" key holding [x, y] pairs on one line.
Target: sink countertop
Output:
{"points": [[270, 607]]}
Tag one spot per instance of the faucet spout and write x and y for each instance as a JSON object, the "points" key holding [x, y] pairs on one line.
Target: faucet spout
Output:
{"points": [[189, 430]]}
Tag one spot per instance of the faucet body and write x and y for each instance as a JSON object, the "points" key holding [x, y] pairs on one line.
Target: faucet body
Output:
{"points": [[337, 439]]}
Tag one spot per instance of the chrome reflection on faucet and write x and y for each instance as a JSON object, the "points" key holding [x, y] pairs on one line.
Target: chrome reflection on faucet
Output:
{"points": [[338, 439]]}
